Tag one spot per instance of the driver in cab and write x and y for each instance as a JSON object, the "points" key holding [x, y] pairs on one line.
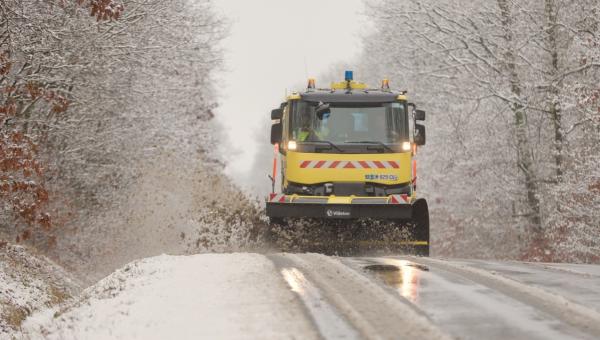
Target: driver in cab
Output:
{"points": [[308, 133]]}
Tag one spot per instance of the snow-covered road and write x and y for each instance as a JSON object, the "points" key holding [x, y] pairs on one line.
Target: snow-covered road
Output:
{"points": [[311, 296]]}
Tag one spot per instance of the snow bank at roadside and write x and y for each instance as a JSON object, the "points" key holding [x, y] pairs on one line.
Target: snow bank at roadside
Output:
{"points": [[29, 283], [209, 296]]}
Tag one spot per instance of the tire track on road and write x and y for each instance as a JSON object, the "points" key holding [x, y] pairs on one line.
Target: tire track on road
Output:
{"points": [[372, 310], [583, 318]]}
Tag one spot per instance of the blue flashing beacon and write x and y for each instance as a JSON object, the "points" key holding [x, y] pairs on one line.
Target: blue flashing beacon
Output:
{"points": [[349, 75]]}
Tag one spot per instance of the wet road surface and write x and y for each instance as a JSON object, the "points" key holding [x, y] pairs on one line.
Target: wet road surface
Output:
{"points": [[413, 297]]}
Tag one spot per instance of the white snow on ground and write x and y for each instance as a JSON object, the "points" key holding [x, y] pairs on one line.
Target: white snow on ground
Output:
{"points": [[209, 296], [28, 283]]}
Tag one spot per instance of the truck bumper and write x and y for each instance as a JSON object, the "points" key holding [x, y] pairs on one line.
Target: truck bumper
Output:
{"points": [[339, 211]]}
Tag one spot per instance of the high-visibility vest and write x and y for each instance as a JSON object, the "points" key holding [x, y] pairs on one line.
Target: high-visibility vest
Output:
{"points": [[303, 135]]}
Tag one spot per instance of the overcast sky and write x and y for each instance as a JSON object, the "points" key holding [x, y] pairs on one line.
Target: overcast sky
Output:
{"points": [[273, 45]]}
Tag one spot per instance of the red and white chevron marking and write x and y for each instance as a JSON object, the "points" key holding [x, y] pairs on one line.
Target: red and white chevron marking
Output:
{"points": [[349, 164], [392, 199], [278, 198], [398, 199]]}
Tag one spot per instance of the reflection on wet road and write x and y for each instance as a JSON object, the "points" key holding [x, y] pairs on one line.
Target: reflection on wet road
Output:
{"points": [[426, 298], [464, 308], [402, 275], [328, 321]]}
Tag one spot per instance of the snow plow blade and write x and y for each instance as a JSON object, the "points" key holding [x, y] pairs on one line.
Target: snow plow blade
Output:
{"points": [[339, 211], [413, 215]]}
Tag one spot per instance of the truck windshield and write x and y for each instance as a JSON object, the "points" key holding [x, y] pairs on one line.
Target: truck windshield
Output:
{"points": [[346, 123]]}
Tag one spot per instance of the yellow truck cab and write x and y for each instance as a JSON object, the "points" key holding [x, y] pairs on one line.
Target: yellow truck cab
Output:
{"points": [[347, 152]]}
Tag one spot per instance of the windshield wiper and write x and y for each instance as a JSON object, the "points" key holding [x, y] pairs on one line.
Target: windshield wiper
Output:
{"points": [[372, 142], [327, 142]]}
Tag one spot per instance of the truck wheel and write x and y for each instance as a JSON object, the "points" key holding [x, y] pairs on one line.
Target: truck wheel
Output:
{"points": [[420, 227]]}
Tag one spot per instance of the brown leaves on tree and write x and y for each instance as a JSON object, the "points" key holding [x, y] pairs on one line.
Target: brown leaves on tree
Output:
{"points": [[595, 187], [33, 90], [104, 9], [589, 97], [22, 182], [5, 63]]}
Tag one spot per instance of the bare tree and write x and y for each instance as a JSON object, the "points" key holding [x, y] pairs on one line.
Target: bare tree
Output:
{"points": [[510, 135], [97, 99]]}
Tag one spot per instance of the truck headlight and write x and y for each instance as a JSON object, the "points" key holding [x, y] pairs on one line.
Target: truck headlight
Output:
{"points": [[292, 145], [406, 146]]}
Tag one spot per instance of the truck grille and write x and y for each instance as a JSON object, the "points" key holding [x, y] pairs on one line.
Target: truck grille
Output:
{"points": [[348, 189]]}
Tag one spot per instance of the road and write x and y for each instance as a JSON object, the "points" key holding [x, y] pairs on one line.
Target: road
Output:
{"points": [[313, 296], [410, 297]]}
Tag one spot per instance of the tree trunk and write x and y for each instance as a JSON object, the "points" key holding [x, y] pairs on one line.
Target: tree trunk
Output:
{"points": [[554, 104], [524, 154]]}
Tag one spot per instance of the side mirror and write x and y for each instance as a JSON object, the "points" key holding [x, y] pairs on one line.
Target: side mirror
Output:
{"points": [[276, 114], [420, 115], [322, 110], [419, 134], [276, 133], [412, 108]]}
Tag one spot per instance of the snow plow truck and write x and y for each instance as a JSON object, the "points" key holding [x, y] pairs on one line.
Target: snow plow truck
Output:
{"points": [[348, 152]]}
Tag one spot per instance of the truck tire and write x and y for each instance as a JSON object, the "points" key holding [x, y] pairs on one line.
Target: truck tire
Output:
{"points": [[420, 227]]}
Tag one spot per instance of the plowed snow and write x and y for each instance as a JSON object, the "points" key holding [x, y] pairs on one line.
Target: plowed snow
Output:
{"points": [[209, 296]]}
